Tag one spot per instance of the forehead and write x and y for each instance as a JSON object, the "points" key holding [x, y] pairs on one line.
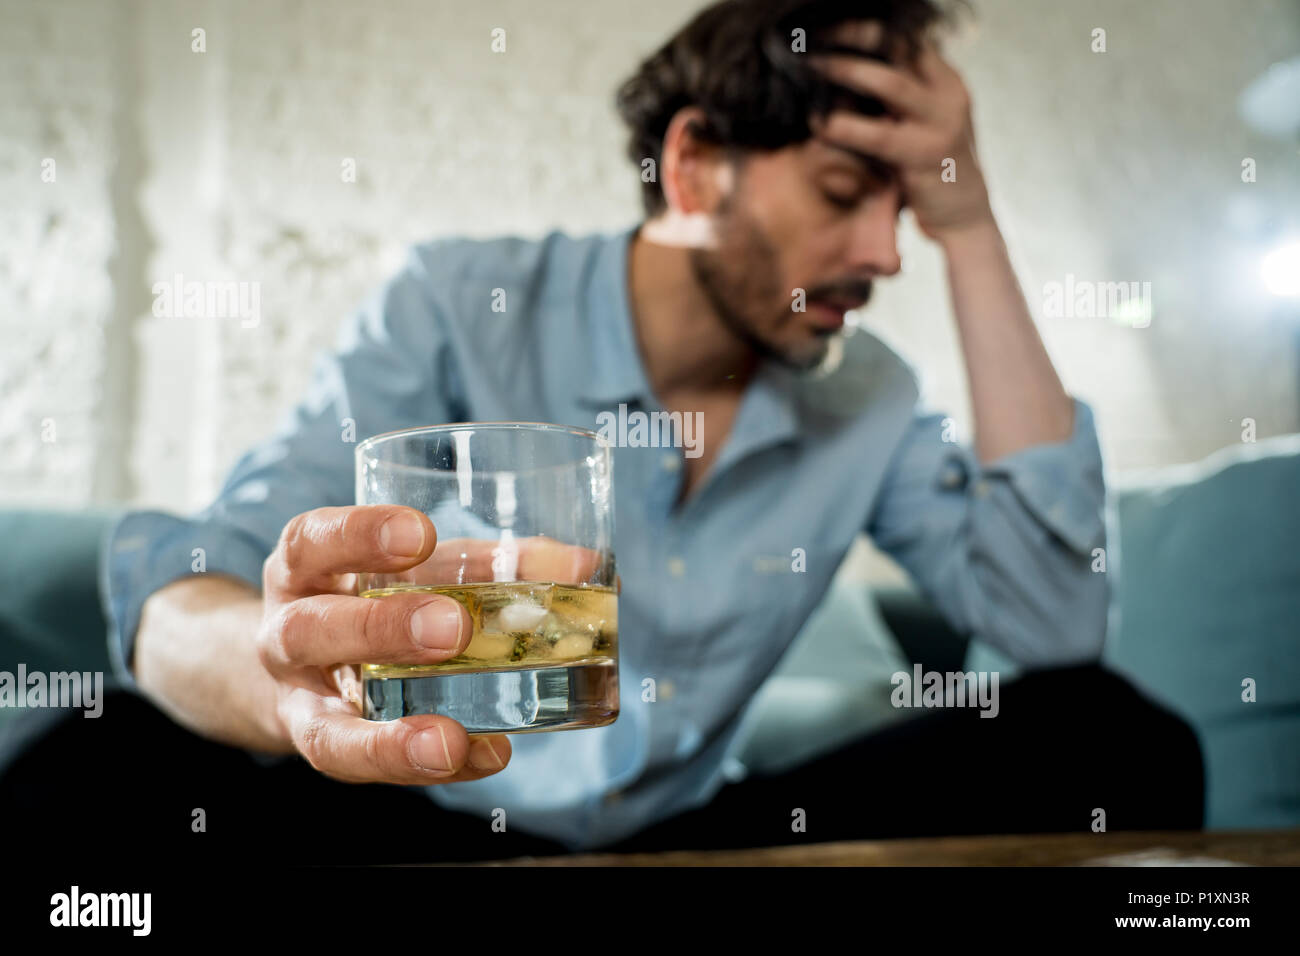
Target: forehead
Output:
{"points": [[812, 158]]}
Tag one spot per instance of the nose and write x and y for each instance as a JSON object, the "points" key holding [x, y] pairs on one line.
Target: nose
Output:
{"points": [[874, 246]]}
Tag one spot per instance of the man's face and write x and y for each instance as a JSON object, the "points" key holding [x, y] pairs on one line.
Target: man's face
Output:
{"points": [[808, 216]]}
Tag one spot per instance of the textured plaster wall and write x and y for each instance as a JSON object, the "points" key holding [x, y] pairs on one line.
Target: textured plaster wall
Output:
{"points": [[226, 164], [64, 326]]}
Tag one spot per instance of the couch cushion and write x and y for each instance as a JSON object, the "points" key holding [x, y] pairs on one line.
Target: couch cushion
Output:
{"points": [[50, 614], [831, 686], [1208, 595]]}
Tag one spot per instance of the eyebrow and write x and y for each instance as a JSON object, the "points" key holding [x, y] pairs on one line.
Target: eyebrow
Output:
{"points": [[876, 170]]}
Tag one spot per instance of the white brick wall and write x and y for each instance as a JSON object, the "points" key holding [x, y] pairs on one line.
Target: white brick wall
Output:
{"points": [[226, 164], [58, 101]]}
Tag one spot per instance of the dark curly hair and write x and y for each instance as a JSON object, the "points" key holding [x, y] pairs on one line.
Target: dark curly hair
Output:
{"points": [[735, 61]]}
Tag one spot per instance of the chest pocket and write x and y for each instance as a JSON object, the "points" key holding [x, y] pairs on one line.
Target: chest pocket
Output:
{"points": [[778, 581]]}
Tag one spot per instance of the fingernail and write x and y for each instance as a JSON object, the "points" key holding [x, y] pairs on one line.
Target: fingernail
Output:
{"points": [[483, 756], [402, 536], [438, 626], [429, 750]]}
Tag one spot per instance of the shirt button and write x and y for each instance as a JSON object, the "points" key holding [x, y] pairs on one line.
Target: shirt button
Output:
{"points": [[953, 478], [666, 689], [676, 567], [981, 488], [613, 796], [671, 463]]}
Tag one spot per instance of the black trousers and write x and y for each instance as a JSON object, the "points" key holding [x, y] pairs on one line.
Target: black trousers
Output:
{"points": [[1065, 743]]}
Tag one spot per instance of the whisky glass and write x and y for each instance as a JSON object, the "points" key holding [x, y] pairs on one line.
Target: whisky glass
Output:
{"points": [[525, 522]]}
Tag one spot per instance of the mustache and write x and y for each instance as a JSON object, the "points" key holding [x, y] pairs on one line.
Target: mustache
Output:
{"points": [[853, 293]]}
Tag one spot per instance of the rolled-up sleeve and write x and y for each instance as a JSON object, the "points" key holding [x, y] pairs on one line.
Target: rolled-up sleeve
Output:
{"points": [[381, 376], [1008, 550]]}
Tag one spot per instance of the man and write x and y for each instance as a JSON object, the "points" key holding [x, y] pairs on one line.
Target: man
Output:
{"points": [[784, 138]]}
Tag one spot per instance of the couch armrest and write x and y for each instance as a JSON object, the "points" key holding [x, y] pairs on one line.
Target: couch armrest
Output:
{"points": [[51, 618]]}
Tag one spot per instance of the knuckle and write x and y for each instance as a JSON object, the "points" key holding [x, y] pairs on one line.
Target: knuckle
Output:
{"points": [[268, 571], [266, 652], [376, 623], [287, 630], [358, 529], [268, 645], [311, 742], [373, 751], [294, 541]]}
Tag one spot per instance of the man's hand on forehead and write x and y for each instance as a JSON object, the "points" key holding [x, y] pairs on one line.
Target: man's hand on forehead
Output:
{"points": [[856, 42], [925, 132]]}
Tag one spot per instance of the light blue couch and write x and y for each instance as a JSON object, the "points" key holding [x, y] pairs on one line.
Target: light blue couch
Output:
{"points": [[1206, 562]]}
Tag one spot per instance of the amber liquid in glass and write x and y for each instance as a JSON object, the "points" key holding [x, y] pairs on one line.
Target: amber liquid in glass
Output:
{"points": [[541, 656]]}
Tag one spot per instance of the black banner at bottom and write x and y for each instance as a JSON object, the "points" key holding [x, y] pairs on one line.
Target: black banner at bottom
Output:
{"points": [[260, 902]]}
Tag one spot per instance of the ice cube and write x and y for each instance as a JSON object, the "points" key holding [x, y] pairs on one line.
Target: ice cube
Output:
{"points": [[572, 646], [589, 611], [520, 616], [490, 646]]}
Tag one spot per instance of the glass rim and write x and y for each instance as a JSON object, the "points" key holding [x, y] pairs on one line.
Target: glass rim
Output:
{"points": [[383, 437]]}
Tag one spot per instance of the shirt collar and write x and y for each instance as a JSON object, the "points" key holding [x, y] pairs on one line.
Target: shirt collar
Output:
{"points": [[768, 412], [617, 373]]}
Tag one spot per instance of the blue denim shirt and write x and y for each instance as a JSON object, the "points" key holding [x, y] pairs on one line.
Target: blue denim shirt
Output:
{"points": [[714, 590]]}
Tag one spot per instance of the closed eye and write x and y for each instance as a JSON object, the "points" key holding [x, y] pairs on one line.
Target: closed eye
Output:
{"points": [[841, 201]]}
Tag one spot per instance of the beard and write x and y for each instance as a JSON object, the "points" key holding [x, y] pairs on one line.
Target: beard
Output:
{"points": [[741, 278]]}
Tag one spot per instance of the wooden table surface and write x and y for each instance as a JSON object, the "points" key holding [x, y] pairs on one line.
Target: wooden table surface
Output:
{"points": [[1250, 848]]}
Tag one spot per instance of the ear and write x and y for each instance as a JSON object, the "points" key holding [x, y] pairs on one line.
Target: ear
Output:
{"points": [[694, 173]]}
